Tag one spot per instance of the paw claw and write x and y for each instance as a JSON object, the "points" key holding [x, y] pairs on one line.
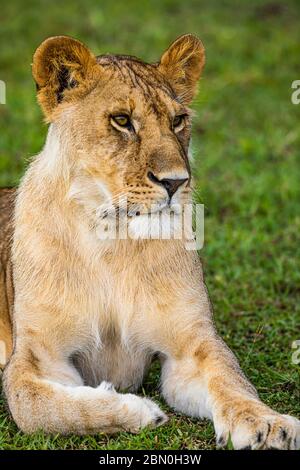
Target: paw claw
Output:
{"points": [[221, 441]]}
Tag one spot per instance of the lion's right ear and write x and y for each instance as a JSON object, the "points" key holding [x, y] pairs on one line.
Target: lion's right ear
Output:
{"points": [[62, 69]]}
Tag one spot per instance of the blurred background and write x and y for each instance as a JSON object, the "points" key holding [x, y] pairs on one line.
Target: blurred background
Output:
{"points": [[246, 140]]}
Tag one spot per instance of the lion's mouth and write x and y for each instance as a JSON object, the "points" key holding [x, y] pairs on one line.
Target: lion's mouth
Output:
{"points": [[154, 209], [132, 211], [161, 220]]}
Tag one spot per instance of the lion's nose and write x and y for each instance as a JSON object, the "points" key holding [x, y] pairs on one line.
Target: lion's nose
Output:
{"points": [[170, 184]]}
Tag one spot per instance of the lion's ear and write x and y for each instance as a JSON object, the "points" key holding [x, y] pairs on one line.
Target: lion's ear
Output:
{"points": [[61, 64], [182, 64]]}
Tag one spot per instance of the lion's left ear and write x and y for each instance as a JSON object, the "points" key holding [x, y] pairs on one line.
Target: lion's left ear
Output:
{"points": [[62, 67], [182, 64]]}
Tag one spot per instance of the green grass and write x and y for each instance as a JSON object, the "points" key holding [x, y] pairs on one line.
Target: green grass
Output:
{"points": [[247, 166]]}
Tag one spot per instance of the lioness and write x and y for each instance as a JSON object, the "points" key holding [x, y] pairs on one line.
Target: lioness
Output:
{"points": [[90, 314]]}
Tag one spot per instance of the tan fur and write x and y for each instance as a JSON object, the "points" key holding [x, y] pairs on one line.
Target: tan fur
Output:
{"points": [[7, 197], [91, 314]]}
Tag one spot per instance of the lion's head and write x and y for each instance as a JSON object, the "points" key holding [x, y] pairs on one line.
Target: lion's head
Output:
{"points": [[120, 128]]}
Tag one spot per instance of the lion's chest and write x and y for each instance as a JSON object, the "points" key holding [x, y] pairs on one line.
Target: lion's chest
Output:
{"points": [[114, 363], [111, 312]]}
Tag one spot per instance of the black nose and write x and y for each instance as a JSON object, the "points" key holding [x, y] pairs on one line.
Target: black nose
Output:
{"points": [[170, 184]]}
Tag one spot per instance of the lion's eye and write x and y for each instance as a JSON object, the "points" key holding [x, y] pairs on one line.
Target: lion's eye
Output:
{"points": [[122, 120], [178, 122]]}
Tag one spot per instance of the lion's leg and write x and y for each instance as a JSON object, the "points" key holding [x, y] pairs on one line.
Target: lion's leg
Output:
{"points": [[205, 380], [44, 391]]}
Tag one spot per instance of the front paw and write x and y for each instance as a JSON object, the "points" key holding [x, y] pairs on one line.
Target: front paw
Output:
{"points": [[253, 425], [141, 413]]}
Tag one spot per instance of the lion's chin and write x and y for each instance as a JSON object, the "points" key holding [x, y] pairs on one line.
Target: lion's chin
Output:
{"points": [[163, 224]]}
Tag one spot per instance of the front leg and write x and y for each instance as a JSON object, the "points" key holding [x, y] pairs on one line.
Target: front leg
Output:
{"points": [[204, 379], [45, 391], [39, 402]]}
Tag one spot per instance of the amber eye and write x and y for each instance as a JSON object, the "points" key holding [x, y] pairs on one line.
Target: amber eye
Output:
{"points": [[122, 120], [178, 122]]}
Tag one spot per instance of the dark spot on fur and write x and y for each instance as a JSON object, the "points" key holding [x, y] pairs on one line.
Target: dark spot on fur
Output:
{"points": [[250, 419], [200, 353], [64, 83], [259, 436], [63, 79], [73, 83], [159, 419], [33, 361], [221, 441], [283, 434], [269, 429]]}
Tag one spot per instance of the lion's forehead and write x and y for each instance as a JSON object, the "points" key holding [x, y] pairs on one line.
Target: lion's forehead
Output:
{"points": [[139, 80]]}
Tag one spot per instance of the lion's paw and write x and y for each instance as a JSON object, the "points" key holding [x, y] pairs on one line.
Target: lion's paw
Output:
{"points": [[255, 426], [142, 412]]}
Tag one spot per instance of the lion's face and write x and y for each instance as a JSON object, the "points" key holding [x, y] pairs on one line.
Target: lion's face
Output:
{"points": [[135, 138], [126, 123]]}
